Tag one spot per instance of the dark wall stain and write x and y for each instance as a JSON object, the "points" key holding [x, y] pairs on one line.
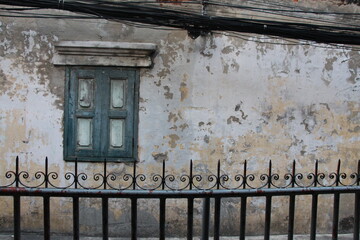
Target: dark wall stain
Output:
{"points": [[173, 139], [160, 157], [206, 139], [326, 105], [168, 94], [172, 117], [184, 91], [158, 83], [355, 130], [238, 109], [227, 50], [309, 118], [4, 83], [183, 126], [287, 116], [346, 224], [232, 119], [330, 63], [243, 115], [353, 64]]}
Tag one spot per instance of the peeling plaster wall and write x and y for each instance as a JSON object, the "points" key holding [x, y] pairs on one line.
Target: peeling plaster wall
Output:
{"points": [[236, 97], [209, 99]]}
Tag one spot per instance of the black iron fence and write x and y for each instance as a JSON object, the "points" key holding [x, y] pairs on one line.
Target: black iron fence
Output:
{"points": [[163, 186]]}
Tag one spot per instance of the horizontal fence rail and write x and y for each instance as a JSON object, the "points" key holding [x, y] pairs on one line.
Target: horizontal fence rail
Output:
{"points": [[189, 186], [189, 181]]}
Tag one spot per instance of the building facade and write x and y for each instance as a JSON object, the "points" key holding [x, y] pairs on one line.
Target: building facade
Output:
{"points": [[93, 89]]}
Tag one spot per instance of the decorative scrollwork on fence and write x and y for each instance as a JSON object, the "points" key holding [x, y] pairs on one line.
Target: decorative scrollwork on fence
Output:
{"points": [[190, 181]]}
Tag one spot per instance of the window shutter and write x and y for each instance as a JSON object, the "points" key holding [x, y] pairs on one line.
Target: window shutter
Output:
{"points": [[100, 117]]}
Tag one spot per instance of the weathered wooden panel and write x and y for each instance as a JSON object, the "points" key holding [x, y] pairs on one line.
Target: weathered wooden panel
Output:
{"points": [[116, 133], [117, 93], [84, 134], [86, 93]]}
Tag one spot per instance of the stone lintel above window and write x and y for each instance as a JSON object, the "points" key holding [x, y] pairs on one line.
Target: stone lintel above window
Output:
{"points": [[98, 53]]}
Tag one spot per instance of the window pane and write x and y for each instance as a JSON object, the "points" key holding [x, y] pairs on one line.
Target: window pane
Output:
{"points": [[117, 93], [86, 93], [116, 133], [84, 133]]}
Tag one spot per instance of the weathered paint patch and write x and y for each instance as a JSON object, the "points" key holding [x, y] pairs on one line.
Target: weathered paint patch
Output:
{"points": [[160, 157], [168, 94], [184, 91], [173, 140]]}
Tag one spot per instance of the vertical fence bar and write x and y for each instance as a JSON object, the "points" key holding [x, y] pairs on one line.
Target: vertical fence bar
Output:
{"points": [[356, 217], [335, 216], [268, 207], [205, 219], [162, 218], [243, 218], [17, 228], [336, 206], [292, 205], [267, 218], [314, 205], [217, 218], [105, 208], [357, 206], [133, 218], [291, 217], [190, 205], [17, 231], [243, 206], [217, 208], [76, 215], [105, 218], [162, 206], [76, 218], [190, 217], [134, 208], [46, 203]]}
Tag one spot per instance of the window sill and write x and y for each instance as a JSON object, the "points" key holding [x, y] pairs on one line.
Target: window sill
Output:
{"points": [[100, 159]]}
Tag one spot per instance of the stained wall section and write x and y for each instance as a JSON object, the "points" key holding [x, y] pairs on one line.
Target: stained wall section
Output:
{"points": [[213, 98]]}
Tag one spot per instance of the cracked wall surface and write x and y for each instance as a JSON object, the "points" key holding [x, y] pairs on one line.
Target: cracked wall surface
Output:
{"points": [[213, 98]]}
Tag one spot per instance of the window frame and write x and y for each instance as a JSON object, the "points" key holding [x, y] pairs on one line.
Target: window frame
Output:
{"points": [[101, 151]]}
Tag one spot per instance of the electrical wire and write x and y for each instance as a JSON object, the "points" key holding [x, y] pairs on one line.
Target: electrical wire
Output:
{"points": [[191, 19], [299, 14], [238, 6]]}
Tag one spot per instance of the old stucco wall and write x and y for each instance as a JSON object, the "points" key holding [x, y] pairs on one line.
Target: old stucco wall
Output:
{"points": [[209, 99]]}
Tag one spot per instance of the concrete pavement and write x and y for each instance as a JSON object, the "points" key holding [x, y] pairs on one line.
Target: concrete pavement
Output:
{"points": [[29, 236]]}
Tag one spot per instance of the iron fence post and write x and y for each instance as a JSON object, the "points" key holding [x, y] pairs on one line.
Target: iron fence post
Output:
{"points": [[17, 215], [205, 219]]}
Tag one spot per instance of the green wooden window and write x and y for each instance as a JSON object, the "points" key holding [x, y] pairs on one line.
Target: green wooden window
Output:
{"points": [[101, 114]]}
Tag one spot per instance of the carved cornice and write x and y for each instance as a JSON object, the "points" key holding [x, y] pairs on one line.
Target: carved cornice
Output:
{"points": [[96, 53]]}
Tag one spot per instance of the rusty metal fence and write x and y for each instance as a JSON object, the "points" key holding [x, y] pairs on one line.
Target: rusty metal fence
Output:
{"points": [[190, 186]]}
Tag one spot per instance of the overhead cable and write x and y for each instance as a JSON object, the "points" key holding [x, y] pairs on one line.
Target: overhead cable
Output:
{"points": [[196, 22]]}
